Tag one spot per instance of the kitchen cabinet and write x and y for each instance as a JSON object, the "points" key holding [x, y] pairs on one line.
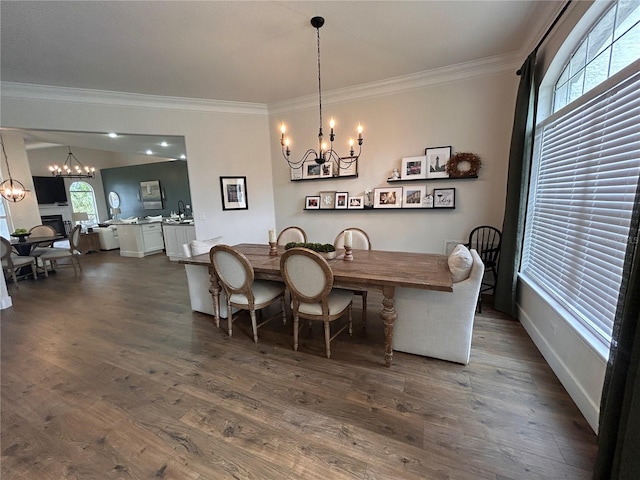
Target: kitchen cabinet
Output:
{"points": [[140, 239], [176, 235]]}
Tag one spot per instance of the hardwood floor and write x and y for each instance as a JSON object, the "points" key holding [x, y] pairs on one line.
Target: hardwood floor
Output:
{"points": [[108, 374]]}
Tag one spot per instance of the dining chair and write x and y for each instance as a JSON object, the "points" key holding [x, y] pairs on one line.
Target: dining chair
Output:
{"points": [[359, 240], [11, 261], [237, 279], [309, 279], [42, 231], [486, 240], [292, 234], [52, 255]]}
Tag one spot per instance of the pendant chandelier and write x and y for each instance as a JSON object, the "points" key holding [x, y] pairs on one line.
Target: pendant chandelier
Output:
{"points": [[11, 189], [71, 170], [324, 153]]}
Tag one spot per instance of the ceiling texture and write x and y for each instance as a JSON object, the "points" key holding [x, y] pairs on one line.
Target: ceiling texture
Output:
{"points": [[254, 51]]}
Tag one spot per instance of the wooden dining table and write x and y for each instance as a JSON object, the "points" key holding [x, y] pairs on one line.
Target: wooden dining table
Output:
{"points": [[370, 269], [24, 248]]}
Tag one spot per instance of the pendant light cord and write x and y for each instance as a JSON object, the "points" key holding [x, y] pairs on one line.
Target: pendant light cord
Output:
{"points": [[319, 84], [4, 154]]}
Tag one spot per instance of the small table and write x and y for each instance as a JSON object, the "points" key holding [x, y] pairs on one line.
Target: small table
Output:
{"points": [[89, 242], [25, 248]]}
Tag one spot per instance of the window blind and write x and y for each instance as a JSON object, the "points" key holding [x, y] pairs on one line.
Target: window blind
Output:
{"points": [[584, 179]]}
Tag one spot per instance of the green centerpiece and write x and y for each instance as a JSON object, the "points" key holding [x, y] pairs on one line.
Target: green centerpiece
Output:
{"points": [[326, 249]]}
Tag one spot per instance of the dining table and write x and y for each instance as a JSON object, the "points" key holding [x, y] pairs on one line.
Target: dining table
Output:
{"points": [[25, 247], [369, 269]]}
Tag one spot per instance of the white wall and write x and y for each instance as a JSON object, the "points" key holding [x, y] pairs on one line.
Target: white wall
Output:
{"points": [[473, 115], [220, 141]]}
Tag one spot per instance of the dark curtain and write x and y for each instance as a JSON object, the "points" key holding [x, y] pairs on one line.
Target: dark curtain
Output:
{"points": [[517, 188], [619, 427]]}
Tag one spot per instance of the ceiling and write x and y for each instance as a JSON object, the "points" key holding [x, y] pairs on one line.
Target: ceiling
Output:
{"points": [[253, 51]]}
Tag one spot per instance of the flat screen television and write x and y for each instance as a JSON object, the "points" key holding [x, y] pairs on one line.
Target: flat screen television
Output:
{"points": [[50, 190]]}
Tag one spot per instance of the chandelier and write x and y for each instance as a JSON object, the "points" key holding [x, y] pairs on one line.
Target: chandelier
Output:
{"points": [[11, 189], [324, 153], [71, 170]]}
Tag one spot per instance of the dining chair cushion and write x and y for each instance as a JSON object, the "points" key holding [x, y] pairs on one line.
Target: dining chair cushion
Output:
{"points": [[263, 292], [337, 301], [18, 261], [460, 262]]}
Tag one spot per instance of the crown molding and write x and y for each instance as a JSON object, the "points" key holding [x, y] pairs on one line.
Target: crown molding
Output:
{"points": [[438, 76], [27, 91]]}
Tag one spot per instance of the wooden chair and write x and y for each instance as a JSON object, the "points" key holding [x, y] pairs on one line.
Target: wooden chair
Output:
{"points": [[42, 231], [236, 277], [52, 255], [11, 261], [486, 240], [309, 278], [292, 234], [360, 240]]}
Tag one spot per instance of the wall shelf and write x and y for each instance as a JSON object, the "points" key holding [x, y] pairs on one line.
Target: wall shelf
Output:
{"points": [[374, 209], [340, 177], [391, 180]]}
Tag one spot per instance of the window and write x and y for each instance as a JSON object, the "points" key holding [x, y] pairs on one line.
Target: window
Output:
{"points": [[611, 45], [83, 199], [584, 178]]}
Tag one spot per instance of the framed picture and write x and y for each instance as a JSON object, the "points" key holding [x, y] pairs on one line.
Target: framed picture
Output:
{"points": [[414, 167], [326, 170], [234, 193], [387, 197], [412, 197], [444, 198], [312, 202], [356, 202], [311, 170], [327, 199], [348, 168], [341, 200], [296, 173], [151, 195], [437, 161]]}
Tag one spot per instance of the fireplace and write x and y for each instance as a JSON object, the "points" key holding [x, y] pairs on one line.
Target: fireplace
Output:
{"points": [[56, 222]]}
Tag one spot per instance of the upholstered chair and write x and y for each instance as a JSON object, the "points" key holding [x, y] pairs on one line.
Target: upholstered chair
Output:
{"points": [[292, 234], [54, 255], [12, 261]]}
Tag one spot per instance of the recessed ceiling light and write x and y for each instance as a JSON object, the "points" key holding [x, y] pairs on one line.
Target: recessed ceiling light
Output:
{"points": [[149, 152], [113, 135], [164, 144], [183, 157]]}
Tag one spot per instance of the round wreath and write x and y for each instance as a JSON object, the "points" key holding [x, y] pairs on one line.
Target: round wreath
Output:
{"points": [[463, 157]]}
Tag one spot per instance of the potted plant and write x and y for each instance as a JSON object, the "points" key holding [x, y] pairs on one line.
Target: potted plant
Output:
{"points": [[326, 249]]}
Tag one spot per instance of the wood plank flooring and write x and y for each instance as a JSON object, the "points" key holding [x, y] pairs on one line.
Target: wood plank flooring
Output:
{"points": [[109, 375]]}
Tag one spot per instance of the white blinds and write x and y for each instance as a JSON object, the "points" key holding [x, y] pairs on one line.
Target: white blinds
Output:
{"points": [[584, 180]]}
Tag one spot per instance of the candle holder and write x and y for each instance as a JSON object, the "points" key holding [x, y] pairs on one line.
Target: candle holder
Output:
{"points": [[273, 251], [348, 256]]}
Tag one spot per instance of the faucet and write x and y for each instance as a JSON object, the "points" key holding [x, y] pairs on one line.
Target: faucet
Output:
{"points": [[181, 209]]}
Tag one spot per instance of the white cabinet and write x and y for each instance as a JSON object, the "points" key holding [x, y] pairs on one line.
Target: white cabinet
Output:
{"points": [[175, 236], [138, 240]]}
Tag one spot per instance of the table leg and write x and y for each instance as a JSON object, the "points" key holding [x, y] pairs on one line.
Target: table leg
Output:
{"points": [[214, 289], [389, 316]]}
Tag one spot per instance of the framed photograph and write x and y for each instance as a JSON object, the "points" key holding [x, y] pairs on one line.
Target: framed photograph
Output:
{"points": [[413, 197], [414, 167], [444, 198], [234, 193], [341, 200], [437, 159], [327, 199], [348, 169], [387, 197], [326, 170], [151, 195], [311, 170], [356, 202], [296, 173], [312, 202]]}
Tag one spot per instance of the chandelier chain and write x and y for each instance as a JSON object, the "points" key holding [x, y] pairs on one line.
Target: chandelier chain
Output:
{"points": [[319, 80], [4, 154]]}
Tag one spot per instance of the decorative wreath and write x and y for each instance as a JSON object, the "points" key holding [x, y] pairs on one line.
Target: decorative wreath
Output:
{"points": [[463, 157]]}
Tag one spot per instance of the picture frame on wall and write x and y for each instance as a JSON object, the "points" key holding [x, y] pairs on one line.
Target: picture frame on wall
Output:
{"points": [[312, 202], [326, 170], [437, 158], [387, 197], [413, 196], [234, 193], [327, 199], [342, 199], [356, 202], [296, 173], [444, 198], [414, 168], [311, 170], [349, 169], [151, 195]]}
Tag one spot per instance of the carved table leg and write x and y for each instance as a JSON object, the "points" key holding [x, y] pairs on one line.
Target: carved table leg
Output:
{"points": [[388, 316], [214, 289]]}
